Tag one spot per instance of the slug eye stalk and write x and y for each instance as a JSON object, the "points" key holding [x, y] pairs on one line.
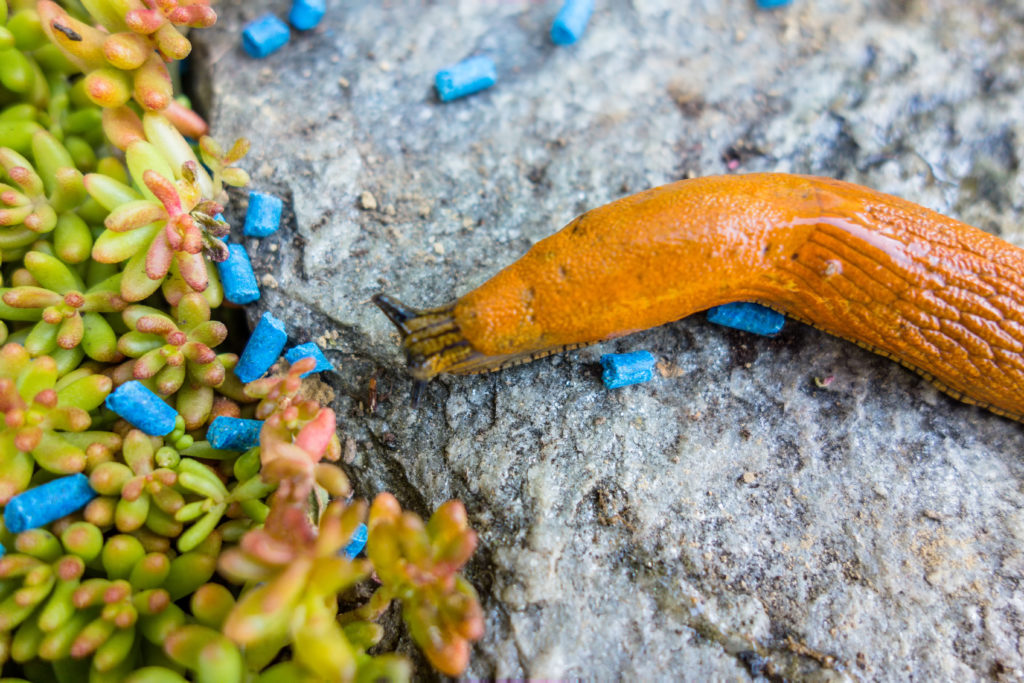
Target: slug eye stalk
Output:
{"points": [[431, 339], [434, 343]]}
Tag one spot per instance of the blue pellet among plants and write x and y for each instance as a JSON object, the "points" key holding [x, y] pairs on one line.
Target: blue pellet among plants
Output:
{"points": [[137, 404], [234, 433], [263, 349], [47, 503], [237, 276], [358, 542], [309, 350]]}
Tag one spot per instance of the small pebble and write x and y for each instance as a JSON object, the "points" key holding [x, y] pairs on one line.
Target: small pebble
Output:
{"points": [[264, 35], [358, 542], [465, 78], [306, 350], [234, 433], [748, 317], [368, 201], [47, 503], [306, 14], [571, 21], [142, 408], [623, 369], [263, 348], [263, 217], [237, 276]]}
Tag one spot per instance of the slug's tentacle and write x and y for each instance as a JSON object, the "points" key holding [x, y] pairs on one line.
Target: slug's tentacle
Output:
{"points": [[934, 294], [430, 337], [433, 343]]}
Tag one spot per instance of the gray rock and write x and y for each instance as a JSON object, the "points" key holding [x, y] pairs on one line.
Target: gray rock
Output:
{"points": [[731, 518]]}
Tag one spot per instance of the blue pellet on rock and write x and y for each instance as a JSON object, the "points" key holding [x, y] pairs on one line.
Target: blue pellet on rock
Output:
{"points": [[772, 4], [142, 408], [623, 369], [263, 348], [748, 317], [571, 21], [306, 350], [465, 78], [47, 503], [262, 36], [306, 14], [237, 276], [263, 217], [234, 433]]}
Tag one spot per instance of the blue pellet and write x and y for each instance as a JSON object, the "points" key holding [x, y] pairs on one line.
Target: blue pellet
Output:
{"points": [[263, 348], [141, 407], [465, 78], [264, 215], [358, 542], [3, 550], [623, 369], [234, 433], [571, 21], [262, 36], [237, 276], [47, 503], [748, 317], [304, 351], [772, 4], [306, 14]]}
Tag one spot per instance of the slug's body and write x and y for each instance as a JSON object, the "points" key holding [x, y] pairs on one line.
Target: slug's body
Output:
{"points": [[939, 296]]}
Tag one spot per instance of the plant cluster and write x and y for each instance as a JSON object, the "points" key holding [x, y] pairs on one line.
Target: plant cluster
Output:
{"points": [[191, 563]]}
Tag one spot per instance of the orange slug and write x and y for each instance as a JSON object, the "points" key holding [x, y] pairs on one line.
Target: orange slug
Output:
{"points": [[939, 296]]}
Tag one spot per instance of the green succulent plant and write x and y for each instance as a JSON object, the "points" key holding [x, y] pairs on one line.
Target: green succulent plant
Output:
{"points": [[46, 416], [110, 226], [70, 314]]}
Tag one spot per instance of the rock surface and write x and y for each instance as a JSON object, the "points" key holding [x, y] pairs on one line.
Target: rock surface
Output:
{"points": [[792, 506]]}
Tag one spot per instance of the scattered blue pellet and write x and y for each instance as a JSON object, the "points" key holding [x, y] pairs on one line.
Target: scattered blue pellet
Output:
{"points": [[306, 14], [264, 215], [748, 317], [465, 78], [234, 433], [262, 36], [772, 4], [571, 21], [309, 349], [623, 369], [47, 503], [358, 542], [263, 348], [144, 409], [237, 276], [3, 550]]}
